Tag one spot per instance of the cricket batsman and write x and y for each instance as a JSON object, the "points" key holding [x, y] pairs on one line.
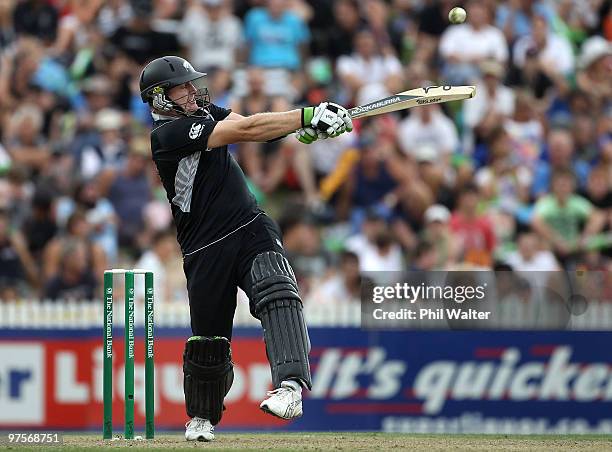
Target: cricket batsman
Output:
{"points": [[227, 241]]}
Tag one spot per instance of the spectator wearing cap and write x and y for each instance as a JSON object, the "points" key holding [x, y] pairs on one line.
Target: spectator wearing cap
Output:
{"points": [[463, 47], [436, 231], [275, 36], [474, 231], [368, 74], [559, 217], [109, 148], [595, 72], [493, 104], [129, 191], [212, 35]]}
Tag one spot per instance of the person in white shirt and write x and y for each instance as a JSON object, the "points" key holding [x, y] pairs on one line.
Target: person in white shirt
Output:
{"points": [[529, 257], [463, 47], [367, 74], [211, 35], [493, 104], [428, 125], [554, 53]]}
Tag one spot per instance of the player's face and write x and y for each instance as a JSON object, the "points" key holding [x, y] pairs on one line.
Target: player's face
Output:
{"points": [[185, 96]]}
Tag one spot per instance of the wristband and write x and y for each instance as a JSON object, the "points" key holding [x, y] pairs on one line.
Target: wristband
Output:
{"points": [[307, 115]]}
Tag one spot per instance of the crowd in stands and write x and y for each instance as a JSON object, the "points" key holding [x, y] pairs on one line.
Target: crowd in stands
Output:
{"points": [[519, 176]]}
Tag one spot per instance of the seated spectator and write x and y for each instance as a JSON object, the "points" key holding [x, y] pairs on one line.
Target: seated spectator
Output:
{"points": [[368, 74], [428, 125], [77, 228], [437, 232], [525, 129], [554, 53], [129, 191], [346, 26], [531, 256], [99, 214], [25, 142], [74, 279], [377, 249], [425, 257], [373, 181], [473, 231], [464, 47], [211, 34], [493, 104], [560, 156], [595, 72], [40, 226], [559, 216], [36, 18], [343, 287], [17, 267], [275, 36], [165, 261], [515, 17]]}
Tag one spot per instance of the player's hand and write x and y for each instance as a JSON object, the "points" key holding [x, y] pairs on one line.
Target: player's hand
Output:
{"points": [[308, 135], [328, 117]]}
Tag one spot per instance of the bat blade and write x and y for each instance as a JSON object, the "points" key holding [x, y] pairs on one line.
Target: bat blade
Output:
{"points": [[413, 98]]}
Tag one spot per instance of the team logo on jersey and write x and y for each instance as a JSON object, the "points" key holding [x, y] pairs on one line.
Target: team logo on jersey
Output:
{"points": [[196, 130]]}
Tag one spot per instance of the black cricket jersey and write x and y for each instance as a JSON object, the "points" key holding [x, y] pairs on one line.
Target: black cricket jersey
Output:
{"points": [[206, 188]]}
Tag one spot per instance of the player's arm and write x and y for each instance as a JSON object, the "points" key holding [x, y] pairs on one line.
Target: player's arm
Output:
{"points": [[330, 118]]}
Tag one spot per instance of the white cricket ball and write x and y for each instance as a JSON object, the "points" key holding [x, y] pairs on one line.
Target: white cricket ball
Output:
{"points": [[457, 15]]}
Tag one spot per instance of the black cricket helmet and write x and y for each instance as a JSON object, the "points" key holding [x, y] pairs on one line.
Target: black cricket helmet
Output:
{"points": [[163, 74]]}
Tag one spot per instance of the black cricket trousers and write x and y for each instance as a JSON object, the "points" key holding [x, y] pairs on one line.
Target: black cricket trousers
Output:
{"points": [[215, 273]]}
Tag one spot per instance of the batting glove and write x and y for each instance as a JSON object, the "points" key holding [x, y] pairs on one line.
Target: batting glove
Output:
{"points": [[308, 135], [328, 117]]}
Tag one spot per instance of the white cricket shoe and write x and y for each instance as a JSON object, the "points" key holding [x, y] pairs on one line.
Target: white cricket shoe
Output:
{"points": [[284, 402], [198, 429]]}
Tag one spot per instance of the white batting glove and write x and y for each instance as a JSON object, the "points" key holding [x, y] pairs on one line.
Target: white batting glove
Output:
{"points": [[308, 135], [331, 118]]}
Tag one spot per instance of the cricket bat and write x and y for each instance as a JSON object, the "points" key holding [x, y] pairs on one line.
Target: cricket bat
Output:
{"points": [[413, 98]]}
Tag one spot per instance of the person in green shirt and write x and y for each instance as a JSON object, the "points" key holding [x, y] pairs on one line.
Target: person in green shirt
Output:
{"points": [[564, 218]]}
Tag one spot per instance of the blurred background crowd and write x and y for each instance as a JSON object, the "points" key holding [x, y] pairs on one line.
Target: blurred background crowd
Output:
{"points": [[519, 177]]}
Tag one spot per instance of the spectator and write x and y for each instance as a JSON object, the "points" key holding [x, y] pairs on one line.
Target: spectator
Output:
{"points": [[514, 17], [493, 104], [473, 230], [74, 280], [531, 256], [428, 126], [525, 130], [275, 36], [425, 257], [464, 47], [99, 214], [36, 18], [595, 73], [77, 229], [17, 267], [561, 156], [376, 248], [342, 35], [558, 217], [438, 233], [40, 226], [26, 144], [212, 35], [368, 74], [129, 191], [164, 260], [341, 288], [138, 40]]}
